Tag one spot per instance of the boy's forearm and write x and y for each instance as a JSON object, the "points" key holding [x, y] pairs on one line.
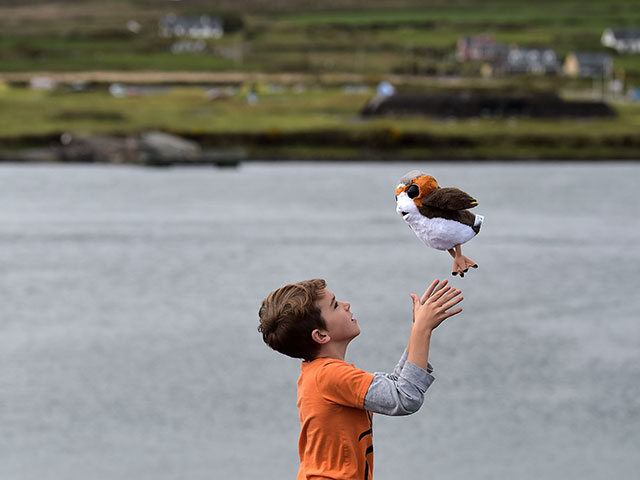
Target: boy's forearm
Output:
{"points": [[418, 347]]}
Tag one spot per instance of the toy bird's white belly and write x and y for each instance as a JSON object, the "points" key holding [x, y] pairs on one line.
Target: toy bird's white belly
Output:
{"points": [[440, 233]]}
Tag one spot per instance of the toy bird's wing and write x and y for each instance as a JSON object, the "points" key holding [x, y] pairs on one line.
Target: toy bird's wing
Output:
{"points": [[451, 199]]}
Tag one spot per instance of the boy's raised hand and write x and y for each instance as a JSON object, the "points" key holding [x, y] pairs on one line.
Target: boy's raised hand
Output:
{"points": [[435, 305]]}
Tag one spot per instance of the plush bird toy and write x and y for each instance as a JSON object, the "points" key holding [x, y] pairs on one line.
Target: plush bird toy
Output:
{"points": [[439, 216]]}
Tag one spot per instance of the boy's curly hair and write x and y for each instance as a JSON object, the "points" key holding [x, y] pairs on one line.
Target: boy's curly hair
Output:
{"points": [[288, 316]]}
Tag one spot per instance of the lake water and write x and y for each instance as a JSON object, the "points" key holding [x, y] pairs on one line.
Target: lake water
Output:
{"points": [[128, 342]]}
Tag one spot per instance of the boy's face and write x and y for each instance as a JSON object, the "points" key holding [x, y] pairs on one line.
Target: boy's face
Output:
{"points": [[341, 326]]}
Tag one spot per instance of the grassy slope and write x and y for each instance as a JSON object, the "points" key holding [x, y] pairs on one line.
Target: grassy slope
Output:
{"points": [[65, 36]]}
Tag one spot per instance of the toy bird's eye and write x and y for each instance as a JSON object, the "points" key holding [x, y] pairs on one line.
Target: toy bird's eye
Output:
{"points": [[413, 191]]}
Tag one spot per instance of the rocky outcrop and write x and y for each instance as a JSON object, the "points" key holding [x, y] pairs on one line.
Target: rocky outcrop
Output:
{"points": [[151, 148]]}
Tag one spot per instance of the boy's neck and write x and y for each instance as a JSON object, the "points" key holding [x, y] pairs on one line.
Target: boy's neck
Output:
{"points": [[335, 351]]}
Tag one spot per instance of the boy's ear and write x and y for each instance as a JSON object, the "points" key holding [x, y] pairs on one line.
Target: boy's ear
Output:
{"points": [[320, 336]]}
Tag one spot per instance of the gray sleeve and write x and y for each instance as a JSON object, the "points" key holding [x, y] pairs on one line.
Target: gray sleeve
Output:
{"points": [[400, 365], [400, 394]]}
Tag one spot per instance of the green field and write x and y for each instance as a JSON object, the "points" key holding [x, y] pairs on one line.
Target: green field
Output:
{"points": [[188, 110], [316, 122]]}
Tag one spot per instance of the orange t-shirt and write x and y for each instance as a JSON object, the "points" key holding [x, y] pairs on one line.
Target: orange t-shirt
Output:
{"points": [[336, 437]]}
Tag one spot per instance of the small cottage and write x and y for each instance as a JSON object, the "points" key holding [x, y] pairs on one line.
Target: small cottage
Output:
{"points": [[480, 48], [531, 61], [585, 64]]}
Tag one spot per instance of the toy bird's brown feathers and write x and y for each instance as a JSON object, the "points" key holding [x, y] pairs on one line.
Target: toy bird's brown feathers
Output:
{"points": [[449, 199], [450, 203]]}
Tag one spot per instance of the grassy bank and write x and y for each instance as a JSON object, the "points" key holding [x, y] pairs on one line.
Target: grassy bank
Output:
{"points": [[296, 121]]}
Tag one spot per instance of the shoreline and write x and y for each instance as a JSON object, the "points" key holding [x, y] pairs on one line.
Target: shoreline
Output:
{"points": [[162, 148], [234, 159]]}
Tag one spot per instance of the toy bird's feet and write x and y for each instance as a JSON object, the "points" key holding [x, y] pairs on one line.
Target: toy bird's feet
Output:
{"points": [[461, 265]]}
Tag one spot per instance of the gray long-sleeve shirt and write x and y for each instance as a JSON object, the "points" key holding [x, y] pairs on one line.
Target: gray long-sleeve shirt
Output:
{"points": [[400, 392]]}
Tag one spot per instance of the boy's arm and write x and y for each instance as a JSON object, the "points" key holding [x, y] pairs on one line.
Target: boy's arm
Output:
{"points": [[402, 392], [429, 311], [399, 366]]}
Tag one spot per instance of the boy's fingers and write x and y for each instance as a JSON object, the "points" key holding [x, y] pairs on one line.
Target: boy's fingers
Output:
{"points": [[430, 290], [413, 298], [453, 302], [439, 293], [446, 299], [416, 302], [443, 284]]}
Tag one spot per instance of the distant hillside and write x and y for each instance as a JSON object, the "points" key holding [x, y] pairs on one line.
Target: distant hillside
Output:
{"points": [[243, 5]]}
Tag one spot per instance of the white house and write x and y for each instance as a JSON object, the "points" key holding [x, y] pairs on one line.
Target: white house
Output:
{"points": [[531, 60], [191, 27], [622, 40]]}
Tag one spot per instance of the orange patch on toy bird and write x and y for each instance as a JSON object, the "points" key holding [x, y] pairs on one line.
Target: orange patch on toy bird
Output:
{"points": [[427, 184]]}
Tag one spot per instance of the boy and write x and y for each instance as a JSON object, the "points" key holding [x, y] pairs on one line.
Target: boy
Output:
{"points": [[336, 400]]}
